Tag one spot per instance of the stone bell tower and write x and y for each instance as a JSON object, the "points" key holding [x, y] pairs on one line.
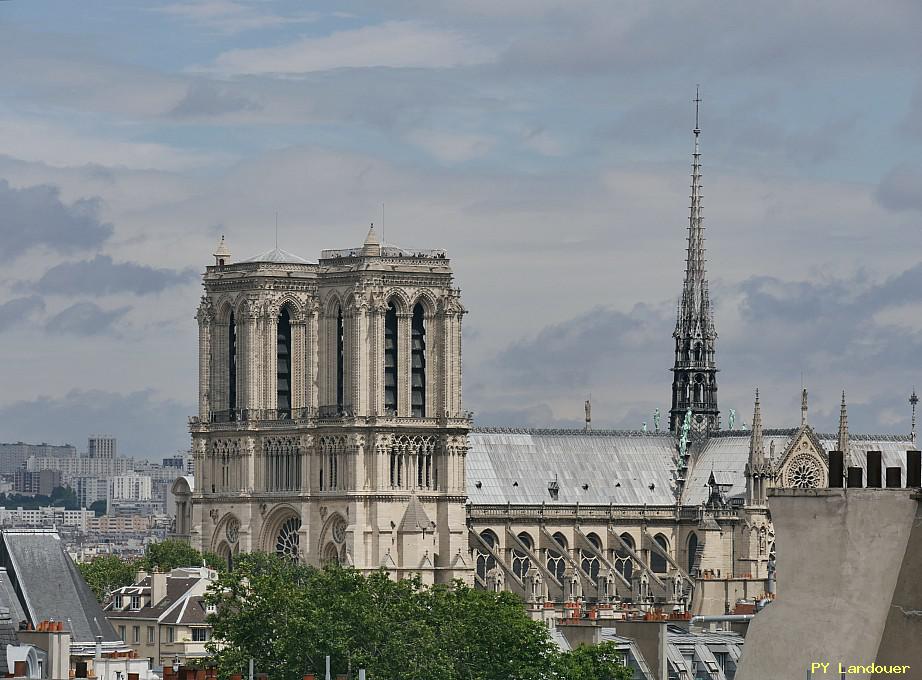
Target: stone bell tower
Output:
{"points": [[330, 425]]}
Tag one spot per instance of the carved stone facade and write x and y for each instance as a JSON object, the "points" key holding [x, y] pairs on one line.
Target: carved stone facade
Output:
{"points": [[330, 423]]}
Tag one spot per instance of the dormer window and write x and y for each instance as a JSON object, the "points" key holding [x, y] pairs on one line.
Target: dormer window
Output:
{"points": [[135, 602], [117, 603]]}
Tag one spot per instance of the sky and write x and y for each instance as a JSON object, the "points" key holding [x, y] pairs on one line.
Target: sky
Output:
{"points": [[546, 145]]}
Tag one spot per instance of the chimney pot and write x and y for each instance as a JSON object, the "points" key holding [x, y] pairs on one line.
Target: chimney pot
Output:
{"points": [[855, 477], [874, 470], [836, 469], [894, 477], [913, 469]]}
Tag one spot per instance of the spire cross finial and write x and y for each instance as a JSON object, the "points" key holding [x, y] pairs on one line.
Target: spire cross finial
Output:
{"points": [[697, 130], [913, 400]]}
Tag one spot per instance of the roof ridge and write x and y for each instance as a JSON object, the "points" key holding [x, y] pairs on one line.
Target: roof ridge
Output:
{"points": [[568, 431]]}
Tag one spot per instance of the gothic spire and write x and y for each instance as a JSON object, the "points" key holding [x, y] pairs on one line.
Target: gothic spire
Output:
{"points": [[842, 440], [694, 315], [803, 407], [694, 381], [756, 441]]}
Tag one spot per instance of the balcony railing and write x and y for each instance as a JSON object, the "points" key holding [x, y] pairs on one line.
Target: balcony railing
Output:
{"points": [[335, 411], [238, 415]]}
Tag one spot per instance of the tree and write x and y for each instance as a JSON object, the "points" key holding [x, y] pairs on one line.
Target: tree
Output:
{"points": [[98, 507], [64, 496], [594, 662], [288, 617], [171, 554], [106, 573]]}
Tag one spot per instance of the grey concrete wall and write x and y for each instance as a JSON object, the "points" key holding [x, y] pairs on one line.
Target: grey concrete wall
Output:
{"points": [[902, 639], [840, 556], [651, 640]]}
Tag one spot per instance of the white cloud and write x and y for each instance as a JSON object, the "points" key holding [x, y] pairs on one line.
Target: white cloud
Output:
{"points": [[228, 16], [451, 147], [393, 44], [61, 145]]}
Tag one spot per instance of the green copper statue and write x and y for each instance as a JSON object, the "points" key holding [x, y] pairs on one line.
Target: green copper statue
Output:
{"points": [[732, 417], [686, 427], [656, 418]]}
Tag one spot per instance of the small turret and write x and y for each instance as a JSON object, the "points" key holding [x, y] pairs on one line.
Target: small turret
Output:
{"points": [[756, 469], [372, 245], [222, 255], [842, 440]]}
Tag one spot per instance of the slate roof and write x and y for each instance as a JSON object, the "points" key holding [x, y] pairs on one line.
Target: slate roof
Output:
{"points": [[50, 585], [10, 600], [7, 637], [597, 467], [279, 256], [190, 611], [176, 590]]}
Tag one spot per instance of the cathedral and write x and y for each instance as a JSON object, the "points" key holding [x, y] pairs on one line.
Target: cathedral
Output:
{"points": [[331, 428]]}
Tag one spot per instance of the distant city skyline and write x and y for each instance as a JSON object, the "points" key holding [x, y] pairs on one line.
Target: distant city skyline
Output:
{"points": [[546, 146]]}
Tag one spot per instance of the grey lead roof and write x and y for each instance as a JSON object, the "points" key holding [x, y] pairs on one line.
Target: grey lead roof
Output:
{"points": [[517, 465], [621, 468], [278, 256], [52, 585], [728, 453]]}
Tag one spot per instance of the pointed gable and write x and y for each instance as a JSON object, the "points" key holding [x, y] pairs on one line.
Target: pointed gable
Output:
{"points": [[805, 462], [414, 518]]}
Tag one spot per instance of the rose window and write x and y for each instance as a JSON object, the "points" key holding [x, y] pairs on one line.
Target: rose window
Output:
{"points": [[339, 531], [232, 531], [804, 473], [287, 541]]}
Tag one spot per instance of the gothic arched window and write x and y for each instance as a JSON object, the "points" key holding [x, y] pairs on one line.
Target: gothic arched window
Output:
{"points": [[231, 363], [485, 561], [520, 560], [657, 561], [287, 541], [692, 552], [418, 351], [283, 368], [589, 560], [390, 359], [623, 561]]}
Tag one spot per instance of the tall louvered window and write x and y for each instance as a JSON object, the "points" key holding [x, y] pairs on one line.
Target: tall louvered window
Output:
{"points": [[657, 561], [283, 355], [231, 363], [390, 359], [418, 393], [692, 553], [340, 358]]}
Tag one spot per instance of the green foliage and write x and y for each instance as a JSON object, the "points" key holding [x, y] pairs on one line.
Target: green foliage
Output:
{"points": [[594, 662], [106, 573], [98, 507], [288, 617], [61, 496], [172, 554]]}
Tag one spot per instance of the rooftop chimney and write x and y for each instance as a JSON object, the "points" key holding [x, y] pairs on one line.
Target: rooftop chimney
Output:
{"points": [[913, 469], [874, 470]]}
